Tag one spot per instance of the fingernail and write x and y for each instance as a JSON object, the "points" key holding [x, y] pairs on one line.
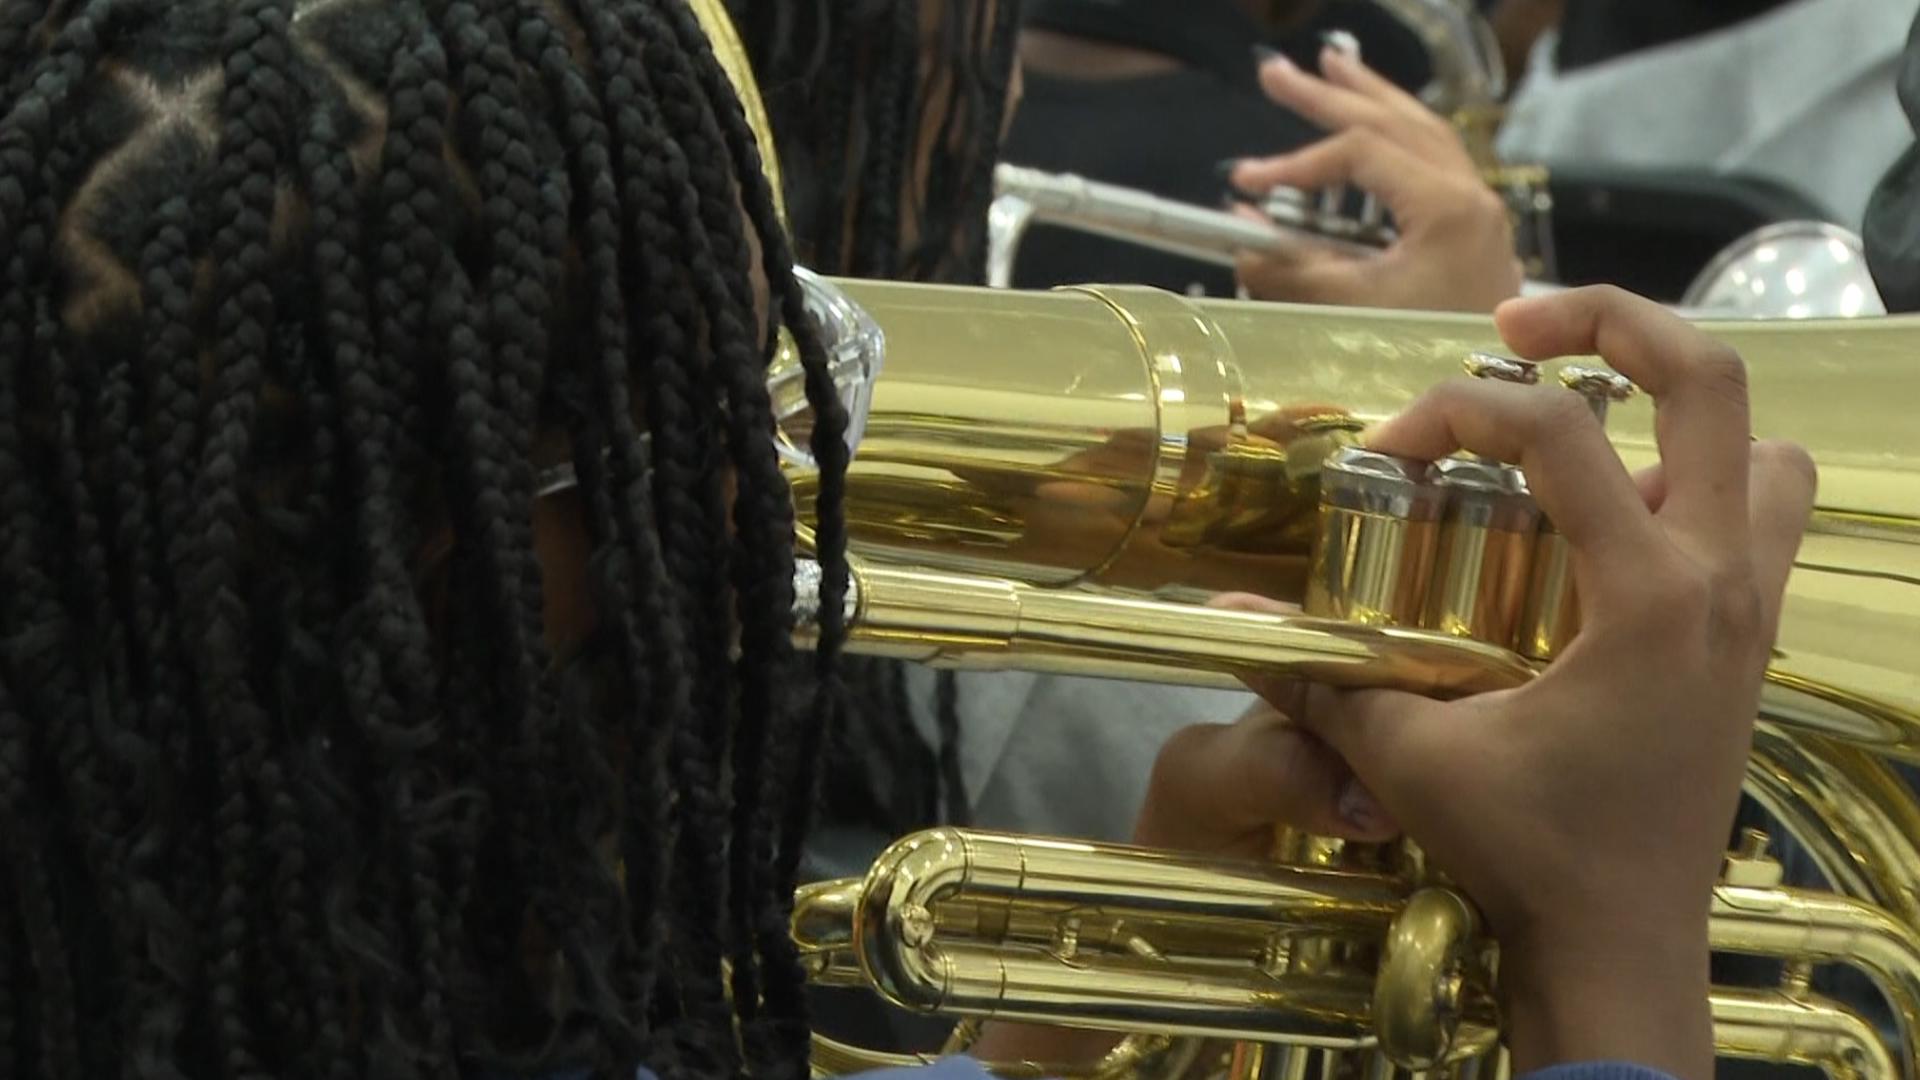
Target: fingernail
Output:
{"points": [[1340, 43], [1235, 193], [1358, 808], [1267, 54]]}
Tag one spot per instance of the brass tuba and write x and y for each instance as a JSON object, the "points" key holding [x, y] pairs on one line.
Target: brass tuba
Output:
{"points": [[1047, 481]]}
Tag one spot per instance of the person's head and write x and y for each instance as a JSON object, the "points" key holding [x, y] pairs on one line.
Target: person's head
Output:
{"points": [[889, 116], [335, 737]]}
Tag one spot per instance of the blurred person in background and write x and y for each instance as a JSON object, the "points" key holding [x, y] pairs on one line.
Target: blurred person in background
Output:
{"points": [[1796, 92]]}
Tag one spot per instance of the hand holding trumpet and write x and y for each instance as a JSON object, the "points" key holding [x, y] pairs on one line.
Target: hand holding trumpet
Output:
{"points": [[1587, 812], [1455, 249]]}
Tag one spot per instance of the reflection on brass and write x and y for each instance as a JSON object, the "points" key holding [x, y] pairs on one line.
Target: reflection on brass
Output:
{"points": [[1103, 506], [1125, 939], [1040, 474], [1481, 575], [1552, 614], [1379, 527], [1800, 1029], [1128, 491], [1427, 971]]}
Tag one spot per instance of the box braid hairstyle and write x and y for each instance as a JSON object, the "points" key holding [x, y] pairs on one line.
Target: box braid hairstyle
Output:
{"points": [[288, 290], [857, 91]]}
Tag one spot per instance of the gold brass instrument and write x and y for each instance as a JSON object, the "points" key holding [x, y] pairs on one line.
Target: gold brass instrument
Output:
{"points": [[1047, 480], [1044, 476]]}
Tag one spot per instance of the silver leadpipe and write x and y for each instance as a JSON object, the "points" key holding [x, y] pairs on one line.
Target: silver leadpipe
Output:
{"points": [[1790, 270], [1026, 197]]}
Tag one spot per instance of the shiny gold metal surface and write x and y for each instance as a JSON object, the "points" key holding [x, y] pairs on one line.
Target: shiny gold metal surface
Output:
{"points": [[1057, 438], [989, 925], [968, 622], [1551, 612], [1142, 448], [1481, 573], [1380, 526], [1131, 940], [1432, 971], [1800, 1029], [1047, 477]]}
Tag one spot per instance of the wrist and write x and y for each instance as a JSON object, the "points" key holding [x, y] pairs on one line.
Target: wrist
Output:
{"points": [[1638, 997]]}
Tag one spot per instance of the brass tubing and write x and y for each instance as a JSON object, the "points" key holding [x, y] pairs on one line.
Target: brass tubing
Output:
{"points": [[1075, 437], [893, 922], [822, 927], [897, 937], [994, 624], [831, 1057], [928, 868], [1805, 924], [1799, 1029], [1320, 1011], [984, 624]]}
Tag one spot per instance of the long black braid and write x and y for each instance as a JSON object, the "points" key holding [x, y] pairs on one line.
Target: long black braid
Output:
{"points": [[888, 116], [298, 776]]}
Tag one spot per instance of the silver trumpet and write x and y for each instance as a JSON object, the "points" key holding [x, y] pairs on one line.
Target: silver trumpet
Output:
{"points": [[1790, 270], [1025, 197]]}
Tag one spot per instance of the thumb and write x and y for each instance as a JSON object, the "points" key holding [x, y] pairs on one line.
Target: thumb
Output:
{"points": [[1215, 784], [1382, 735]]}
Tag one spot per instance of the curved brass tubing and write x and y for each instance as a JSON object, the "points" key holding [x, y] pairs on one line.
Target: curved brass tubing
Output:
{"points": [[1124, 939], [1800, 1029], [933, 924]]}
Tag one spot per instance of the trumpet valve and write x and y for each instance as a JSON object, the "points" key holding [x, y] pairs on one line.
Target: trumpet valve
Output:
{"points": [[1480, 574], [1481, 570], [1379, 530], [1553, 611]]}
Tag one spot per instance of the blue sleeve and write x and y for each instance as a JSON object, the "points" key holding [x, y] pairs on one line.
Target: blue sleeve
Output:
{"points": [[948, 1068], [964, 1068], [1597, 1070]]}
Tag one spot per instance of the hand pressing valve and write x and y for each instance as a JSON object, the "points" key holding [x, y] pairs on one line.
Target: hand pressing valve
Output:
{"points": [[1587, 813]]}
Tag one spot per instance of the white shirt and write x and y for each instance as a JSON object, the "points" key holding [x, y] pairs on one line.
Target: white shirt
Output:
{"points": [[1803, 96], [1061, 755]]}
